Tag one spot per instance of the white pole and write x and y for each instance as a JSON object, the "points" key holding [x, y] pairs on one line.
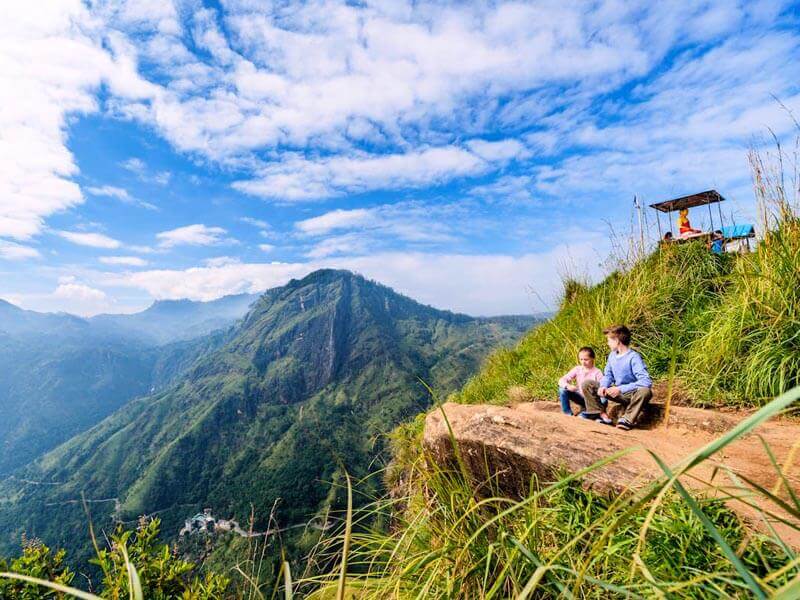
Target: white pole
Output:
{"points": [[638, 206]]}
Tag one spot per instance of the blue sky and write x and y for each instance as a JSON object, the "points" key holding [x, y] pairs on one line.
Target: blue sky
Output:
{"points": [[465, 154]]}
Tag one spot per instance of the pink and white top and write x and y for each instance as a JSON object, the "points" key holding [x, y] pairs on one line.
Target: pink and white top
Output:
{"points": [[580, 374]]}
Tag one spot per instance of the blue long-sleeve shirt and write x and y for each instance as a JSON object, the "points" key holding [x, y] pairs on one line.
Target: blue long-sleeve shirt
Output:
{"points": [[626, 371]]}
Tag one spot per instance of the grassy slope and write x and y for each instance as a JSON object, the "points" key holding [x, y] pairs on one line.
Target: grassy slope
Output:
{"points": [[730, 322]]}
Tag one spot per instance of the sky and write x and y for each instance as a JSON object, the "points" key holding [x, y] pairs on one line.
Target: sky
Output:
{"points": [[470, 155]]}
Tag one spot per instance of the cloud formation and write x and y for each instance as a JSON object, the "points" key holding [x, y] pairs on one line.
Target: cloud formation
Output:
{"points": [[430, 130], [127, 261], [93, 240], [478, 285], [192, 235], [297, 178]]}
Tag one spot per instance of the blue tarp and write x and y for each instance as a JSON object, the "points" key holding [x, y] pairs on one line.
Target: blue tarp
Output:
{"points": [[733, 232]]}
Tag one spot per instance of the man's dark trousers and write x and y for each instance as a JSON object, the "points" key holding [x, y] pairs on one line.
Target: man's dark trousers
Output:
{"points": [[634, 402]]}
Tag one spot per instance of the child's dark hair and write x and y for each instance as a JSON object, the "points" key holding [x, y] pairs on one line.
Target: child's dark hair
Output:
{"points": [[588, 350], [620, 332]]}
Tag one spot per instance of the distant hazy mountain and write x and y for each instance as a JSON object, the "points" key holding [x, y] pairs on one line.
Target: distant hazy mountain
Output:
{"points": [[17, 321], [304, 388], [163, 322], [61, 374], [171, 320], [50, 391]]}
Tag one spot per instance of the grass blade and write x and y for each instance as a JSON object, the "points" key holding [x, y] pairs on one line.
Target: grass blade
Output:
{"points": [[347, 534], [53, 586], [287, 581], [744, 573], [790, 591]]}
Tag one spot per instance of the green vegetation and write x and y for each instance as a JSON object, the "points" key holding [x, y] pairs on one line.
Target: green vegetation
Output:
{"points": [[133, 565], [56, 382], [446, 541], [267, 423], [729, 325], [253, 423]]}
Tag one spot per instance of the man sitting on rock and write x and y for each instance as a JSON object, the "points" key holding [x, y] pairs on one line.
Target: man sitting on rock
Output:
{"points": [[625, 381]]}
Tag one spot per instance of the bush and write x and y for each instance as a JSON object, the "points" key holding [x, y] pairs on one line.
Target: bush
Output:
{"points": [[37, 561]]}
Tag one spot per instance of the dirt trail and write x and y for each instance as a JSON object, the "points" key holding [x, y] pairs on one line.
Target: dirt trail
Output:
{"points": [[515, 442]]}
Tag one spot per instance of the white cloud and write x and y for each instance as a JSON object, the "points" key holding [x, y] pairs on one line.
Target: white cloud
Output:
{"points": [[297, 178], [336, 219], [266, 247], [221, 261], [255, 222], [361, 230], [210, 282], [513, 189], [110, 191], [192, 235], [78, 291], [128, 261], [41, 85], [277, 77], [502, 150], [347, 244], [479, 285], [14, 251], [134, 165], [78, 298], [93, 240], [121, 194], [138, 167]]}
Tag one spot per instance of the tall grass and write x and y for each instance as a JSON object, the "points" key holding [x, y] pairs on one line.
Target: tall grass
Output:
{"points": [[448, 541], [749, 347], [727, 328]]}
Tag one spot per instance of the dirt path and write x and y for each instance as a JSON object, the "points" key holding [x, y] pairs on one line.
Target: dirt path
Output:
{"points": [[528, 438]]}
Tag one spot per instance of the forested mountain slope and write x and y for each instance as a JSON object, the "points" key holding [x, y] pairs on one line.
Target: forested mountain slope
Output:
{"points": [[52, 389], [305, 388]]}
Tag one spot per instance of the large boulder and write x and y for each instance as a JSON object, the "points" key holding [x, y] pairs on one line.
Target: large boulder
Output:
{"points": [[507, 449]]}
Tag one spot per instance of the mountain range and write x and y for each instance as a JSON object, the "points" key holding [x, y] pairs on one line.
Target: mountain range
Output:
{"points": [[60, 374], [267, 417], [164, 321]]}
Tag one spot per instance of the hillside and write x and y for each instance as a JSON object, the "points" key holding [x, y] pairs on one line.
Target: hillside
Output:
{"points": [[51, 390], [306, 386], [722, 328]]}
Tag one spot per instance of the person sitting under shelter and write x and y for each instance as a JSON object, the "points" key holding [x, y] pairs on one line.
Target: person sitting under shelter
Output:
{"points": [[717, 242], [625, 381], [685, 227]]}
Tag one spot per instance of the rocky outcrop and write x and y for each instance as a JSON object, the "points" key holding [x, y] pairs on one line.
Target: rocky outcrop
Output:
{"points": [[508, 447]]}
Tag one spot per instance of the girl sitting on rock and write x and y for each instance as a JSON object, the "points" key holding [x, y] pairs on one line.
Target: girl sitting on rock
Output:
{"points": [[570, 385]]}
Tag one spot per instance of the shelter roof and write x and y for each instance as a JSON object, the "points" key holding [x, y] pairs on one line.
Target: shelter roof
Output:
{"points": [[690, 201]]}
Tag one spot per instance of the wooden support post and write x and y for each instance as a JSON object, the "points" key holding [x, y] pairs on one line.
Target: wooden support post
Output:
{"points": [[711, 217], [658, 220]]}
